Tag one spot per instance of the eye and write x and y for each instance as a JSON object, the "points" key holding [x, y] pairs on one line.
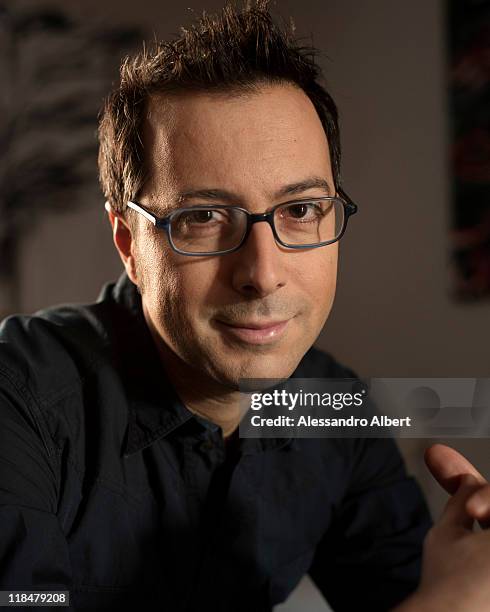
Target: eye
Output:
{"points": [[298, 210], [202, 219], [200, 216], [302, 211], [204, 216]]}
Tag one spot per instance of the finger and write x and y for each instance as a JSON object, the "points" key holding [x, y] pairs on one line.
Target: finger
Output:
{"points": [[447, 466], [478, 506], [455, 513]]}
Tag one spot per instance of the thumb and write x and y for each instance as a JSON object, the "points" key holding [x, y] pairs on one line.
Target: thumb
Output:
{"points": [[455, 514], [447, 466]]}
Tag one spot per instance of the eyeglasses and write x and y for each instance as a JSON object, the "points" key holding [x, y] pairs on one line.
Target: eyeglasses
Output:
{"points": [[220, 229]]}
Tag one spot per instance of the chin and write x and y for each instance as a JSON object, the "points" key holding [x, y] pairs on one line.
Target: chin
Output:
{"points": [[261, 367]]}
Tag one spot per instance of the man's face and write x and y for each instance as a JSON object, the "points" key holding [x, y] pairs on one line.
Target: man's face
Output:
{"points": [[251, 146]]}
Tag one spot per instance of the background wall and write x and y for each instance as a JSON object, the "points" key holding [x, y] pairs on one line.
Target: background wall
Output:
{"points": [[385, 64]]}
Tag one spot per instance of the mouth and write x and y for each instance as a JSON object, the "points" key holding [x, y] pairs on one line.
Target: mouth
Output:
{"points": [[255, 332]]}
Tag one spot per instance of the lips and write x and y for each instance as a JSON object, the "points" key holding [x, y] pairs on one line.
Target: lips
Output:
{"points": [[253, 332], [250, 325]]}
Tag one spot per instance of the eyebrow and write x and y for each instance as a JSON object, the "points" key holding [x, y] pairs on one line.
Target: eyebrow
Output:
{"points": [[314, 182]]}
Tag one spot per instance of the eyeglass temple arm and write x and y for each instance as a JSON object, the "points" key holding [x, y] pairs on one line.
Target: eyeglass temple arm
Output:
{"points": [[139, 209]]}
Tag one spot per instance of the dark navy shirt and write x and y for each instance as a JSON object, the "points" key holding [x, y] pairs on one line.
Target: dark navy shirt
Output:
{"points": [[112, 489]]}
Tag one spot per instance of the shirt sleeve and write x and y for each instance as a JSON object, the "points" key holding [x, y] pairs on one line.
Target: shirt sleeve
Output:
{"points": [[33, 549], [370, 558]]}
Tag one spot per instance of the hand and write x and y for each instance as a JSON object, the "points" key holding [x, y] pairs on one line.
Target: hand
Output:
{"points": [[456, 562], [447, 466]]}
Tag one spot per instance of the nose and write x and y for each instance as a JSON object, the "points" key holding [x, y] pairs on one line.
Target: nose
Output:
{"points": [[259, 265]]}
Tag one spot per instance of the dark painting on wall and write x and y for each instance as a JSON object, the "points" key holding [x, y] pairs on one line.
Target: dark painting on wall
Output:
{"points": [[54, 72], [469, 47]]}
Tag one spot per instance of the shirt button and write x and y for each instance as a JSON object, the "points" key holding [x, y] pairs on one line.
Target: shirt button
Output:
{"points": [[206, 445]]}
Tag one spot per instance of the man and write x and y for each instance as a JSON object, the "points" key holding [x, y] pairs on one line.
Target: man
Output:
{"points": [[122, 475]]}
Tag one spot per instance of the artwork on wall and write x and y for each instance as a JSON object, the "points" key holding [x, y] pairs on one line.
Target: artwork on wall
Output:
{"points": [[469, 104], [55, 71]]}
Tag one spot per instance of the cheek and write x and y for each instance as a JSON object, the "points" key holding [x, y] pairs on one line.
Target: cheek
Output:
{"points": [[319, 282], [156, 272], [187, 285], [319, 277]]}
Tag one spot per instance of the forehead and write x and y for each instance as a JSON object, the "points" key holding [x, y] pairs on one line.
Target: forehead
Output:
{"points": [[250, 144]]}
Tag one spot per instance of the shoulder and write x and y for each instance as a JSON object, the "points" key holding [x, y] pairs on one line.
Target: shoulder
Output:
{"points": [[52, 349]]}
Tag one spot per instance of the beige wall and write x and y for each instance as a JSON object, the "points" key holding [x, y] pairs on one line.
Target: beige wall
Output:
{"points": [[393, 314]]}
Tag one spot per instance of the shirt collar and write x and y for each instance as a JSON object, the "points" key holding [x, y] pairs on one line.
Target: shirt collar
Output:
{"points": [[155, 410]]}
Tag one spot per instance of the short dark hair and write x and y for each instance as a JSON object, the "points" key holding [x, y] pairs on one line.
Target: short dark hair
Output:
{"points": [[235, 50]]}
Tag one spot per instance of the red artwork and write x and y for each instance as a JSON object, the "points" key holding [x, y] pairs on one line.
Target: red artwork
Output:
{"points": [[470, 148]]}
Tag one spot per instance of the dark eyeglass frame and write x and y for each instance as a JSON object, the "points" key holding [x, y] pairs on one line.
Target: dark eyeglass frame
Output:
{"points": [[164, 223]]}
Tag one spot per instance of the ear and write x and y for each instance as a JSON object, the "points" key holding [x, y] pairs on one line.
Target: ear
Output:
{"points": [[124, 241]]}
